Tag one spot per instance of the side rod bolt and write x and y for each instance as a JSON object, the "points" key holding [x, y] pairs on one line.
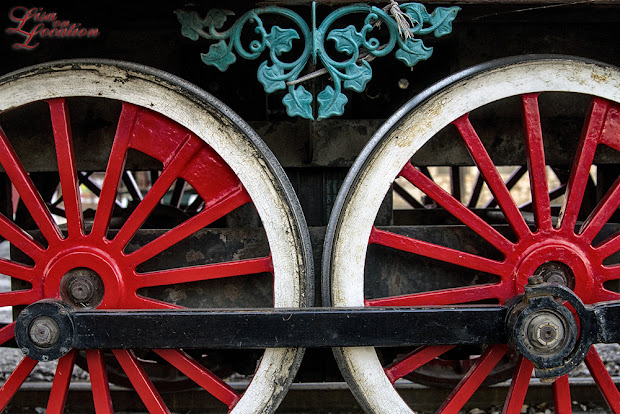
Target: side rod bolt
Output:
{"points": [[44, 332]]}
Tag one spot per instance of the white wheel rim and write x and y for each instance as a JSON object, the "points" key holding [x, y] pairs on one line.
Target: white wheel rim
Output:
{"points": [[405, 136], [127, 83]]}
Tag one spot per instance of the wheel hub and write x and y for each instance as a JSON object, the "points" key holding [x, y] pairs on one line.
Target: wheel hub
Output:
{"points": [[82, 287], [560, 264], [546, 332], [557, 273], [84, 278]]}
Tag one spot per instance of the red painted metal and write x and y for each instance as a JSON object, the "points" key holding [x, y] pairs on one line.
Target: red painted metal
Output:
{"points": [[491, 176], [27, 191], [561, 396], [185, 157], [603, 380], [99, 382], [114, 171], [67, 169], [456, 208], [60, 386], [532, 248], [200, 375], [518, 387], [140, 381], [473, 379], [580, 173], [414, 360], [536, 162], [15, 380]]}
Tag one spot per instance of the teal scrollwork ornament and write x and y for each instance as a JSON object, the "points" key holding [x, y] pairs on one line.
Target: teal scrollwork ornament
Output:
{"points": [[401, 23]]}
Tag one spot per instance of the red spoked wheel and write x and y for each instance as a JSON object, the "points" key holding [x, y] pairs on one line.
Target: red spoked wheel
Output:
{"points": [[466, 249], [150, 248]]}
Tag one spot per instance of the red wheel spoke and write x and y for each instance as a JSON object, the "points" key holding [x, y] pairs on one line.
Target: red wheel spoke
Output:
{"points": [[157, 191], [99, 382], [437, 252], [473, 379], [27, 191], [7, 333], [134, 301], [19, 297], [610, 273], [611, 130], [60, 386], [518, 387], [561, 396], [603, 380], [580, 173], [602, 213], [212, 211], [19, 238], [205, 272], [510, 183], [114, 170], [456, 208], [492, 177], [201, 376], [536, 162], [414, 360], [140, 381], [15, 380], [17, 270], [443, 297], [66, 166], [605, 295], [609, 246]]}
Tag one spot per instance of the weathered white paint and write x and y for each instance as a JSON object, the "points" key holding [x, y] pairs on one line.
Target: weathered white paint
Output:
{"points": [[144, 90], [394, 151]]}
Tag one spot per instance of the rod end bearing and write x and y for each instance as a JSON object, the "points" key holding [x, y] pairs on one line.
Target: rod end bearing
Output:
{"points": [[44, 330], [547, 333]]}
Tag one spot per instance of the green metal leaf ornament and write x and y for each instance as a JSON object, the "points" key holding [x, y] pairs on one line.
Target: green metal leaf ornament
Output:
{"points": [[347, 40], [394, 28], [413, 51], [281, 40], [272, 77], [219, 56], [358, 76], [298, 102], [331, 102]]}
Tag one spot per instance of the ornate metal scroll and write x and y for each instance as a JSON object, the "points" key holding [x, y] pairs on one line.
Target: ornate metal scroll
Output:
{"points": [[360, 45]]}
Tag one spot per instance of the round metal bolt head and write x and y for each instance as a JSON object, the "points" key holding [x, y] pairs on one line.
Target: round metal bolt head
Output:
{"points": [[82, 289], [546, 330], [44, 332], [547, 334]]}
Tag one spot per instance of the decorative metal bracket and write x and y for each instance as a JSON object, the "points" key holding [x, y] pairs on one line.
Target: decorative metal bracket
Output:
{"points": [[403, 23]]}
